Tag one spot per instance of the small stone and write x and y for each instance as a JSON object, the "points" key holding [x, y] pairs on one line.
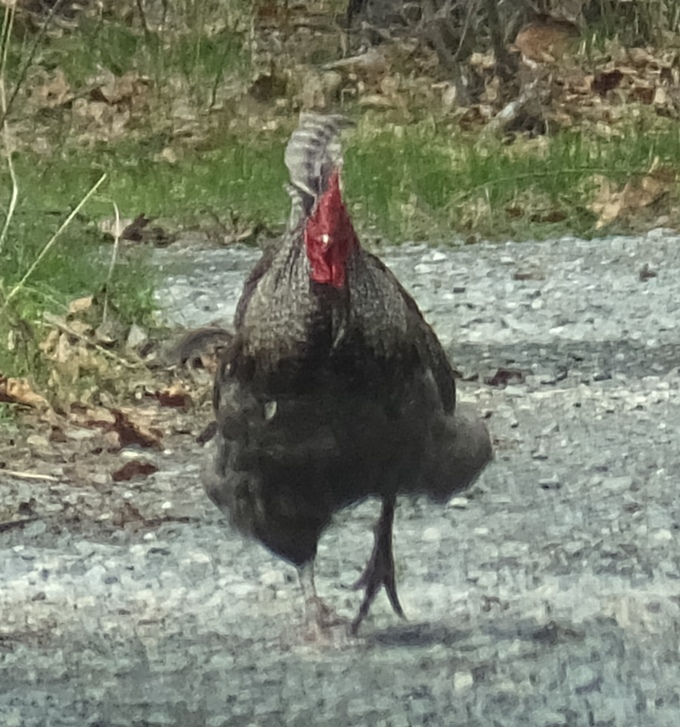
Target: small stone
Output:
{"points": [[272, 578], [585, 679], [548, 718], [462, 680], [550, 483], [13, 718], [136, 337], [79, 435], [618, 484], [460, 503], [431, 535]]}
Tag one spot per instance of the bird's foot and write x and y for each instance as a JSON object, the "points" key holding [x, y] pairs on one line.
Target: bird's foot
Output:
{"points": [[321, 620], [379, 570]]}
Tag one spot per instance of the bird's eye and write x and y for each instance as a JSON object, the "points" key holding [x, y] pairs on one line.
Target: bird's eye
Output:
{"points": [[325, 238]]}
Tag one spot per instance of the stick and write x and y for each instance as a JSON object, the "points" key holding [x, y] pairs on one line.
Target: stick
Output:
{"points": [[29, 475]]}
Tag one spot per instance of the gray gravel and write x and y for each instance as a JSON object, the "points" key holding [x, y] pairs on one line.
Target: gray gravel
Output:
{"points": [[549, 596]]}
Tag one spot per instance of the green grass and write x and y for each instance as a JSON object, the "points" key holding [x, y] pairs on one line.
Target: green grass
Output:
{"points": [[426, 181], [246, 178]]}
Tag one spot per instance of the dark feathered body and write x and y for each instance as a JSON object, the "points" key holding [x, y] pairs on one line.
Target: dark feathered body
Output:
{"points": [[323, 399], [329, 394]]}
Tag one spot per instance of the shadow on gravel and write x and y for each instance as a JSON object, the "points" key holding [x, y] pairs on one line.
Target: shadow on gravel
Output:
{"points": [[429, 634], [417, 634]]}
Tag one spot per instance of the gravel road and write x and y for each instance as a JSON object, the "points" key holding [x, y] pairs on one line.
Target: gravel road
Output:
{"points": [[549, 596]]}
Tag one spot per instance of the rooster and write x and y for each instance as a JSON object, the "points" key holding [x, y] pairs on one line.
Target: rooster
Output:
{"points": [[333, 388]]}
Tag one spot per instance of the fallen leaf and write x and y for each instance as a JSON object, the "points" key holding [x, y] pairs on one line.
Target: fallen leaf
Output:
{"points": [[175, 396], [133, 432], [55, 92], [91, 416], [504, 376], [136, 338], [135, 230], [134, 469], [611, 203], [80, 305], [606, 81], [19, 391], [646, 273], [550, 217]]}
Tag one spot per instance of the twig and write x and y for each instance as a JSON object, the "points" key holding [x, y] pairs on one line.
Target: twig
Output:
{"points": [[112, 264], [4, 527], [512, 110], [51, 242], [29, 475], [7, 25]]}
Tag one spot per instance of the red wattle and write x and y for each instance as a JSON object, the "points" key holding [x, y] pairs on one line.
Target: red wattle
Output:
{"points": [[329, 237]]}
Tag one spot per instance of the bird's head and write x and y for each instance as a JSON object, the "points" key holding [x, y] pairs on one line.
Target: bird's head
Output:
{"points": [[330, 236]]}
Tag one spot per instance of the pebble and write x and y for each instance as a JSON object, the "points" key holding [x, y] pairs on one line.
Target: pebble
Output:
{"points": [[548, 718], [431, 534], [462, 680], [459, 503]]}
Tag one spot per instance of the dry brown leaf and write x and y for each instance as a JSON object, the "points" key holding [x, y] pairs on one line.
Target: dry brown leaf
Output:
{"points": [[80, 305], [610, 203], [79, 328], [133, 431], [135, 469], [175, 396], [660, 97], [91, 416], [127, 514], [54, 93], [99, 120], [19, 391], [641, 57], [112, 441], [125, 88], [504, 376]]}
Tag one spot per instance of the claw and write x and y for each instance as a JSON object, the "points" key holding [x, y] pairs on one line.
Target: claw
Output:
{"points": [[379, 570], [320, 618]]}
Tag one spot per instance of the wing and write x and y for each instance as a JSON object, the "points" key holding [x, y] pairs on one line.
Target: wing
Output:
{"points": [[256, 274], [430, 349]]}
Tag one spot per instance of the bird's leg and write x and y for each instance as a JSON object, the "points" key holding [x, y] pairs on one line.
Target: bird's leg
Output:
{"points": [[318, 615], [379, 570]]}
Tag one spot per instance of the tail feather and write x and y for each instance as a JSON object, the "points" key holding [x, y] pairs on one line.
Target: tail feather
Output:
{"points": [[312, 154]]}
